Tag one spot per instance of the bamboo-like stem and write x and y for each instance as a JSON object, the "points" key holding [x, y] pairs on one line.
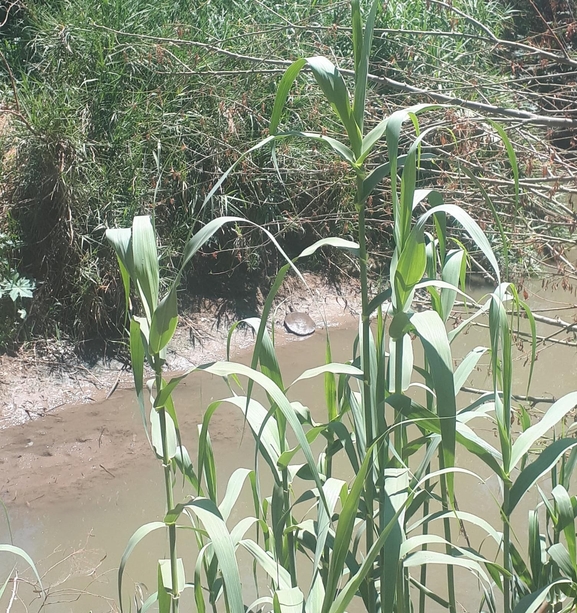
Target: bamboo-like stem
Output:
{"points": [[169, 499], [365, 364], [506, 553], [447, 530]]}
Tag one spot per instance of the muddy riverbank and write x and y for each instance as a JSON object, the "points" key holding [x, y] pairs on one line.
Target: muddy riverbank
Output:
{"points": [[57, 435]]}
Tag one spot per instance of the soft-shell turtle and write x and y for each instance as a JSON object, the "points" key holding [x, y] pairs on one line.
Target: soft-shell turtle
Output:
{"points": [[300, 324]]}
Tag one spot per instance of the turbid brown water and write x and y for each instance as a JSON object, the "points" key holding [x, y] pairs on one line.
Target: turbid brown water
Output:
{"points": [[79, 482]]}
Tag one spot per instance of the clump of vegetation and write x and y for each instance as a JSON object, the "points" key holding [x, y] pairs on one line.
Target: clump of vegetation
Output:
{"points": [[15, 290], [118, 109], [320, 543]]}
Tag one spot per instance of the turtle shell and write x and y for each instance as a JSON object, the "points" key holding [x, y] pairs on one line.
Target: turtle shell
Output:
{"points": [[300, 324]]}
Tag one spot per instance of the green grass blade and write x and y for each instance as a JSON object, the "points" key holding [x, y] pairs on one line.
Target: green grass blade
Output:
{"points": [[344, 152], [271, 567], [534, 471], [17, 551], [163, 595], [535, 547], [532, 603], [344, 531], [156, 434], [566, 521], [233, 489], [550, 419], [470, 226], [164, 322], [362, 43], [225, 369], [282, 93], [496, 217], [434, 557], [467, 366], [560, 556], [433, 334], [263, 428], [137, 362], [331, 82], [341, 602], [410, 269], [393, 132], [452, 273], [132, 543], [145, 259], [121, 241], [357, 26], [335, 368], [209, 515]]}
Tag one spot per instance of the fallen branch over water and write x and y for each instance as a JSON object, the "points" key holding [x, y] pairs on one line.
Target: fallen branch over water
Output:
{"points": [[549, 339], [520, 398]]}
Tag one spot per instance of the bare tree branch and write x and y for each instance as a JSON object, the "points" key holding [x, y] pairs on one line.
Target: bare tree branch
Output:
{"points": [[488, 109]]}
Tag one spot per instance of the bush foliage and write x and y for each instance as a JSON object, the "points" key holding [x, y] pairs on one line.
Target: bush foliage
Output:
{"points": [[120, 108]]}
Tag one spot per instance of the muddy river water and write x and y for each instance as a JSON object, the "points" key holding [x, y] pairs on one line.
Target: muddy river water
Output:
{"points": [[78, 483]]}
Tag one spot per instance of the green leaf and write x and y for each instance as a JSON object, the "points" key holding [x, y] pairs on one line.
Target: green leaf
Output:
{"points": [[344, 152], [333, 86], [452, 273], [145, 261], [470, 226], [566, 521], [223, 546], [534, 471], [121, 241], [410, 269], [429, 421], [164, 322], [156, 434], [166, 575], [536, 549], [137, 360], [467, 366], [233, 489], [204, 234], [561, 557], [279, 575], [17, 551], [164, 395], [290, 600], [344, 531], [532, 602], [339, 243], [550, 419], [393, 132], [362, 43], [163, 595], [431, 330], [421, 558], [132, 542], [224, 175], [262, 427], [225, 369], [335, 368], [340, 603], [406, 349], [282, 93]]}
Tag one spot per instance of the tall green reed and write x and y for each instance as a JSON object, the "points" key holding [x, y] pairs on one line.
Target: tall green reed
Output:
{"points": [[361, 540]]}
